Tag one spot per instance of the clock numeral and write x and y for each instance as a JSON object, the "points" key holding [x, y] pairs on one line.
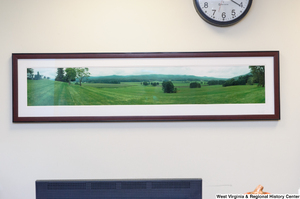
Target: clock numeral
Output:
{"points": [[214, 11], [205, 4], [233, 13], [223, 15], [241, 4]]}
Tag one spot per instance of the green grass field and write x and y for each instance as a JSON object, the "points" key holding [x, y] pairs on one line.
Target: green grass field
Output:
{"points": [[49, 93]]}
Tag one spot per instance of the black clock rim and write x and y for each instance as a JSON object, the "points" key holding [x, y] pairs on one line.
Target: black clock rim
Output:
{"points": [[218, 23]]}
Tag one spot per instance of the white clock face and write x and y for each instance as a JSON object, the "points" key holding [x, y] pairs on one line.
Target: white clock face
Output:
{"points": [[223, 10]]}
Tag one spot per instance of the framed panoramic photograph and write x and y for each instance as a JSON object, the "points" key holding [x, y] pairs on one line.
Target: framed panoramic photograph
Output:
{"points": [[171, 86]]}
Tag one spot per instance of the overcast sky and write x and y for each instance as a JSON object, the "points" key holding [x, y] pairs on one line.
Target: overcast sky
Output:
{"points": [[211, 71]]}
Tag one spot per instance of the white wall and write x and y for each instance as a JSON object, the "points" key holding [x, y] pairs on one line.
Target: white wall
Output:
{"points": [[231, 157]]}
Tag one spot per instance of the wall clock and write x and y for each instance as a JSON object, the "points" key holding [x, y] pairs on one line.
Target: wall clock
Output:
{"points": [[222, 12]]}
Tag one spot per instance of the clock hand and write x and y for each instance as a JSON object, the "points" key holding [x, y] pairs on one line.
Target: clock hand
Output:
{"points": [[220, 5], [235, 2]]}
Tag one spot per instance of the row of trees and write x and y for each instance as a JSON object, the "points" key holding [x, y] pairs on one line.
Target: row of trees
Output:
{"points": [[71, 74], [32, 76], [216, 82], [257, 75], [145, 83], [241, 80]]}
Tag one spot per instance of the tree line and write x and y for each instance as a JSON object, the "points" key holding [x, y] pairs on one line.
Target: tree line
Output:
{"points": [[257, 75], [145, 83], [32, 76], [216, 82], [72, 74], [241, 80]]}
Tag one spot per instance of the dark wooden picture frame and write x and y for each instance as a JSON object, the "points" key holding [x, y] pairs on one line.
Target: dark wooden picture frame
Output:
{"points": [[24, 110]]}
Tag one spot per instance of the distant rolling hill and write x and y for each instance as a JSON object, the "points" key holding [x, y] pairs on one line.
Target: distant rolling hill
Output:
{"points": [[151, 78]]}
